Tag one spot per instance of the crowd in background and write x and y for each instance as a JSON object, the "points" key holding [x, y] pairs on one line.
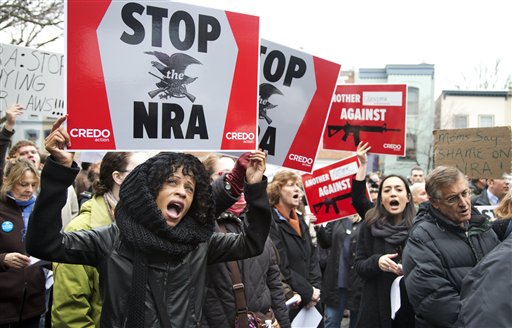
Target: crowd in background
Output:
{"points": [[171, 241]]}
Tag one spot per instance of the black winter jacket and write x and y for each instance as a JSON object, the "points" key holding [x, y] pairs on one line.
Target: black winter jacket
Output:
{"points": [[298, 258], [375, 307], [183, 285], [437, 257], [332, 237], [485, 294], [261, 278], [22, 291]]}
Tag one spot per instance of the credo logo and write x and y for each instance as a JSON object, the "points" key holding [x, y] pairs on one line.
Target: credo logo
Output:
{"points": [[395, 147], [99, 135], [244, 136], [300, 159]]}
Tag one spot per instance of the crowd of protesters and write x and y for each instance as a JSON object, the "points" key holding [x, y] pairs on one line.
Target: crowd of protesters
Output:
{"points": [[172, 241]]}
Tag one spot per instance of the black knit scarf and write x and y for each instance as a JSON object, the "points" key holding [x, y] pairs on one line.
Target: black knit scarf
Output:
{"points": [[392, 234], [145, 231]]}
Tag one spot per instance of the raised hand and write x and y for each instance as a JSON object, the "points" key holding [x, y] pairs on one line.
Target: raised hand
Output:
{"points": [[361, 151], [256, 167], [11, 114], [57, 141]]}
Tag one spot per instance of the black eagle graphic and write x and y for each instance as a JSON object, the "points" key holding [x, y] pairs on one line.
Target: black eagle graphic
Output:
{"points": [[174, 81], [267, 90]]}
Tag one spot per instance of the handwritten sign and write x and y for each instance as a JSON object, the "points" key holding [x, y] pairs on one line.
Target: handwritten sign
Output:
{"points": [[478, 153], [33, 79]]}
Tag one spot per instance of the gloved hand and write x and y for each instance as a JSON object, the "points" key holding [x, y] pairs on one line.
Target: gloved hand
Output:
{"points": [[236, 177]]}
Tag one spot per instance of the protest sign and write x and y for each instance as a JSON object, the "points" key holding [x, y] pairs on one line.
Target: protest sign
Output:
{"points": [[329, 190], [149, 75], [295, 95], [487, 210], [374, 113], [34, 79], [477, 152]]}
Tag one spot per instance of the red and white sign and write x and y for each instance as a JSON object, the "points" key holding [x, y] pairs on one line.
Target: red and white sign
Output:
{"points": [[374, 113], [295, 95], [329, 190], [161, 75]]}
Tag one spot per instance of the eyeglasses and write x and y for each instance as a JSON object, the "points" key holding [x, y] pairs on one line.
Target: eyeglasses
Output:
{"points": [[455, 199]]}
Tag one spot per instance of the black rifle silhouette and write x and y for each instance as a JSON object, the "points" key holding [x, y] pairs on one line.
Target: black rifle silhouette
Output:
{"points": [[168, 85], [355, 130], [330, 202]]}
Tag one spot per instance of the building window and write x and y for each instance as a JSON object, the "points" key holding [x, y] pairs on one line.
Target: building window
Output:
{"points": [[460, 121], [413, 100], [410, 148], [485, 121]]}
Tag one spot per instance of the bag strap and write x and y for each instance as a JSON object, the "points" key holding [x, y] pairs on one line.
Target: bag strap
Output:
{"points": [[165, 322], [239, 290]]}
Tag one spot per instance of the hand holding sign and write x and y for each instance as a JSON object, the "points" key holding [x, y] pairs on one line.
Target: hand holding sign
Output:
{"points": [[57, 141]]}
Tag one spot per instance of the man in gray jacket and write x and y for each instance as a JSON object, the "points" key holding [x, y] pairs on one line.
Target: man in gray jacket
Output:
{"points": [[447, 240]]}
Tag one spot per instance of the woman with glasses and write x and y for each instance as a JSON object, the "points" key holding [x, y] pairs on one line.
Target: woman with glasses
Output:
{"points": [[76, 297], [22, 286], [382, 237]]}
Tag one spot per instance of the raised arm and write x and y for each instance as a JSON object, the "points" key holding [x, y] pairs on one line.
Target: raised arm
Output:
{"points": [[229, 247], [6, 133], [359, 200], [44, 239]]}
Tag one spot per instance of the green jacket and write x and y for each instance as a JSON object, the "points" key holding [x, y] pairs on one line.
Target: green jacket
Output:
{"points": [[76, 292]]}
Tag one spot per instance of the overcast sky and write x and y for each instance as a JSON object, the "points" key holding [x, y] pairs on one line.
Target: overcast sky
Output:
{"points": [[454, 35]]}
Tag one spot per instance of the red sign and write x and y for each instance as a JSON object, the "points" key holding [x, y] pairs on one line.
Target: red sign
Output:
{"points": [[329, 190], [146, 75], [374, 113]]}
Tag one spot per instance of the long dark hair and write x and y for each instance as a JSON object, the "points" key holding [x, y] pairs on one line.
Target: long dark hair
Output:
{"points": [[379, 214]]}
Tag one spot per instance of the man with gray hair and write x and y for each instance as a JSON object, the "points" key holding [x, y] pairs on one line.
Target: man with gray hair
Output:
{"points": [[448, 238]]}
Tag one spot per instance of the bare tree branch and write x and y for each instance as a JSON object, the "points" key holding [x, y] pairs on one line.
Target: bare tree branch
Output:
{"points": [[31, 22]]}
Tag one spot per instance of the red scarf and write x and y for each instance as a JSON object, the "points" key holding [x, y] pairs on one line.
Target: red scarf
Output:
{"points": [[238, 207], [292, 218]]}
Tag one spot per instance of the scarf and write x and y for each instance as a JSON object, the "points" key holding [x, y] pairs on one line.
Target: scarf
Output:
{"points": [[238, 207], [26, 208], [111, 202], [145, 231], [392, 234], [291, 217]]}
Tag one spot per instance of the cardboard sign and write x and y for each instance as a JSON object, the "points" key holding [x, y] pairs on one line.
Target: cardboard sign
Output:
{"points": [[478, 153], [34, 79], [374, 113], [295, 95], [161, 75], [329, 190]]}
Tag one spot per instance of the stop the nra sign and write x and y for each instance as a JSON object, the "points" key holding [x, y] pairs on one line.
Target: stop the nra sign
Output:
{"points": [[161, 75]]}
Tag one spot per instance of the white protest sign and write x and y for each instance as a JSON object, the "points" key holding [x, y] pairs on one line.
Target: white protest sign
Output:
{"points": [[149, 75], [295, 96], [34, 79]]}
